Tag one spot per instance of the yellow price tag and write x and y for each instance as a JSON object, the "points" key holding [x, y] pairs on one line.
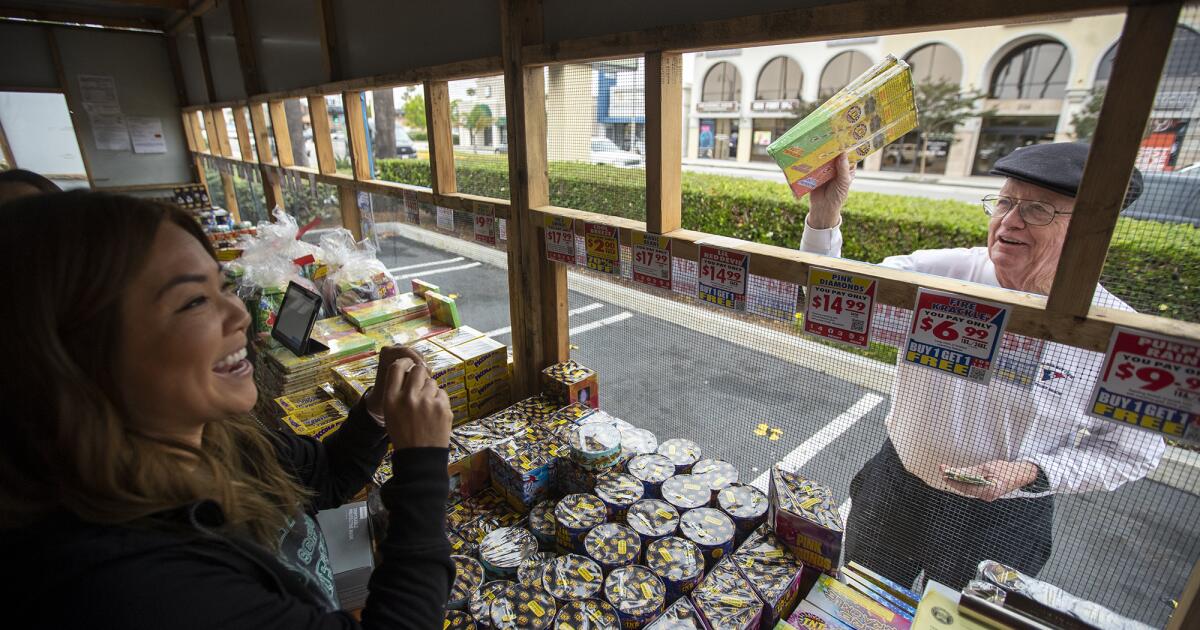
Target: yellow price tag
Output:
{"points": [[621, 547], [666, 555], [537, 610], [585, 574], [712, 519], [663, 513], [646, 592]]}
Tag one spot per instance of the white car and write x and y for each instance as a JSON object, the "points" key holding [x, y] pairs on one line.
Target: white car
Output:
{"points": [[605, 151]]}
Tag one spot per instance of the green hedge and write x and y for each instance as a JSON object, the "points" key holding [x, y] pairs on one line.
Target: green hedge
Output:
{"points": [[1153, 266]]}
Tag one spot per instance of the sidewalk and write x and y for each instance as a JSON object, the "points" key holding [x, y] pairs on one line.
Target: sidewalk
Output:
{"points": [[973, 181]]}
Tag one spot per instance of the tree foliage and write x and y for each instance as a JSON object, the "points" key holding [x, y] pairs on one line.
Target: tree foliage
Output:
{"points": [[942, 106], [1084, 121], [479, 119], [414, 112]]}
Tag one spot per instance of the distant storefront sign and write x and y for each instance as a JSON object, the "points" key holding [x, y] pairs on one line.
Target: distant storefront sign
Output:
{"points": [[717, 106]]}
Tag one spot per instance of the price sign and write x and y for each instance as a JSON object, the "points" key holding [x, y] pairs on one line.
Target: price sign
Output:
{"points": [[722, 277], [955, 335], [485, 223], [560, 239], [503, 225], [603, 246], [651, 260], [1152, 382], [839, 306], [445, 219], [412, 213]]}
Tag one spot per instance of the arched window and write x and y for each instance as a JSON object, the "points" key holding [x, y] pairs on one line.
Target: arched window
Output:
{"points": [[1183, 61], [841, 70], [722, 83], [935, 63], [779, 81], [1037, 69]]}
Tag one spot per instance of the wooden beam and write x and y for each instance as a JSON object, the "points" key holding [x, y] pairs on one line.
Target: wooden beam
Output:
{"points": [[1187, 615], [664, 132], [356, 135], [834, 20], [243, 134], [351, 215], [181, 95], [77, 18], [441, 137], [205, 66], [279, 127], [331, 61], [178, 5], [6, 149], [231, 202], [199, 8], [218, 137], [318, 117], [74, 107], [262, 133], [1141, 55], [193, 120], [188, 134], [244, 36]]}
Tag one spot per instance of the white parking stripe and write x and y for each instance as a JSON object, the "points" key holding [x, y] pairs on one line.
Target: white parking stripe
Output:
{"points": [[819, 440], [575, 311], [619, 317], [427, 264], [434, 272]]}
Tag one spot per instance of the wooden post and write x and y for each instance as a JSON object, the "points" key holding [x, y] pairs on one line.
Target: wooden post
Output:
{"points": [[244, 38], [537, 288], [218, 138], [243, 134], [279, 127], [664, 131], [318, 117], [262, 144], [1187, 615], [205, 67], [441, 137], [188, 134], [1145, 40], [193, 121], [327, 27], [356, 136], [351, 216]]}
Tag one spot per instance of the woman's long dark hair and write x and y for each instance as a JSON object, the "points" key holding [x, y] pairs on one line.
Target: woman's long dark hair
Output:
{"points": [[65, 442]]}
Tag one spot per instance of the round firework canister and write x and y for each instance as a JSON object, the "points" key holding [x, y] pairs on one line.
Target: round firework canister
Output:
{"points": [[678, 563], [460, 545], [683, 453], [652, 471], [652, 519], [523, 608], [502, 551], [618, 491], [636, 441], [572, 577], [587, 614], [459, 620], [746, 506], [468, 577], [717, 474], [530, 571], [613, 545], [636, 593], [574, 517], [711, 530], [481, 602], [686, 492], [541, 523], [595, 445]]}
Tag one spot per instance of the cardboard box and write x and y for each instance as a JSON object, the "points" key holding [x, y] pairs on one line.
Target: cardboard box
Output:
{"points": [[483, 359], [776, 575], [681, 615], [809, 617], [570, 382], [805, 519], [852, 607], [724, 600], [523, 467], [444, 367], [300, 400], [455, 337], [473, 471]]}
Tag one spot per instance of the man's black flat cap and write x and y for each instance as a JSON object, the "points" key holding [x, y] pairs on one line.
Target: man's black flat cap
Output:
{"points": [[1057, 166]]}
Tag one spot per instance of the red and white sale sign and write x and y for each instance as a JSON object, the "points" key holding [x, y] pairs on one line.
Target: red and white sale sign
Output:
{"points": [[603, 246], [1152, 382], [955, 335], [839, 306], [652, 260], [560, 239], [722, 277], [485, 223]]}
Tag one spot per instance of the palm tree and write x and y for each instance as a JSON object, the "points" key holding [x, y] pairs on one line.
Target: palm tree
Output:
{"points": [[479, 119]]}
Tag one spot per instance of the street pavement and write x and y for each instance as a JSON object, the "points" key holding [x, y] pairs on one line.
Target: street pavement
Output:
{"points": [[748, 402]]}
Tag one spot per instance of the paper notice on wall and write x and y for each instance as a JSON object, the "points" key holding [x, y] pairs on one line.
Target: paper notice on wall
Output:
{"points": [[147, 134], [99, 91], [110, 132]]}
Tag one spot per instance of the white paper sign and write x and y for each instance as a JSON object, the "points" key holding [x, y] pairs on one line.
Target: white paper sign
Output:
{"points": [[147, 134], [99, 90], [110, 132], [445, 218]]}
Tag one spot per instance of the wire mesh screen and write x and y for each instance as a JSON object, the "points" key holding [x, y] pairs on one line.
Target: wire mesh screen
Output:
{"points": [[226, 117], [480, 131], [398, 143], [596, 136], [248, 187]]}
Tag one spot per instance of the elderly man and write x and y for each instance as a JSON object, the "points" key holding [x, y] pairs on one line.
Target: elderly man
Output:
{"points": [[1021, 439]]}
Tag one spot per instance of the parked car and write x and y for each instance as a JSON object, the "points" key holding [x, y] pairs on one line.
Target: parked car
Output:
{"points": [[605, 151], [1172, 197], [405, 149]]}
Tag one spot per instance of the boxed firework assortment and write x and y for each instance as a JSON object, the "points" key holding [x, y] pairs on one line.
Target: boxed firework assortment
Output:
{"points": [[804, 517], [570, 382], [776, 575], [523, 467], [852, 607], [873, 110], [587, 614], [679, 616], [378, 314], [724, 600], [472, 472]]}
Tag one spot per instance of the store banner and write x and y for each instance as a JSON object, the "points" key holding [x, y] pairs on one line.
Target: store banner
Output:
{"points": [[445, 218], [723, 276], [1151, 382], [839, 306], [955, 335], [651, 261], [560, 239], [603, 246], [485, 223]]}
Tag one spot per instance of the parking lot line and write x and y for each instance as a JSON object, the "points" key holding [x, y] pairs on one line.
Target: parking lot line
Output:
{"points": [[427, 264], [819, 440], [434, 272], [575, 311], [619, 317]]}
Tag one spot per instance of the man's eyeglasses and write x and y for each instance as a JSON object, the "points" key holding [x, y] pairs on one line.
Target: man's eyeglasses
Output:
{"points": [[1032, 212]]}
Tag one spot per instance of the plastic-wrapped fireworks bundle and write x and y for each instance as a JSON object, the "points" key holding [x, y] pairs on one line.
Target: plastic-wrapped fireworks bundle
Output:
{"points": [[523, 469], [460, 545], [636, 593], [636, 441], [595, 446], [480, 605], [571, 577], [652, 519], [678, 563], [679, 616], [717, 474], [573, 478], [726, 601], [482, 505], [805, 519], [712, 532], [509, 421], [683, 454], [473, 471], [587, 614], [570, 382], [459, 620], [502, 551], [686, 492], [522, 608], [538, 407], [652, 471], [530, 571], [468, 577], [618, 491], [541, 523], [575, 516], [746, 506], [774, 573], [613, 545]]}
